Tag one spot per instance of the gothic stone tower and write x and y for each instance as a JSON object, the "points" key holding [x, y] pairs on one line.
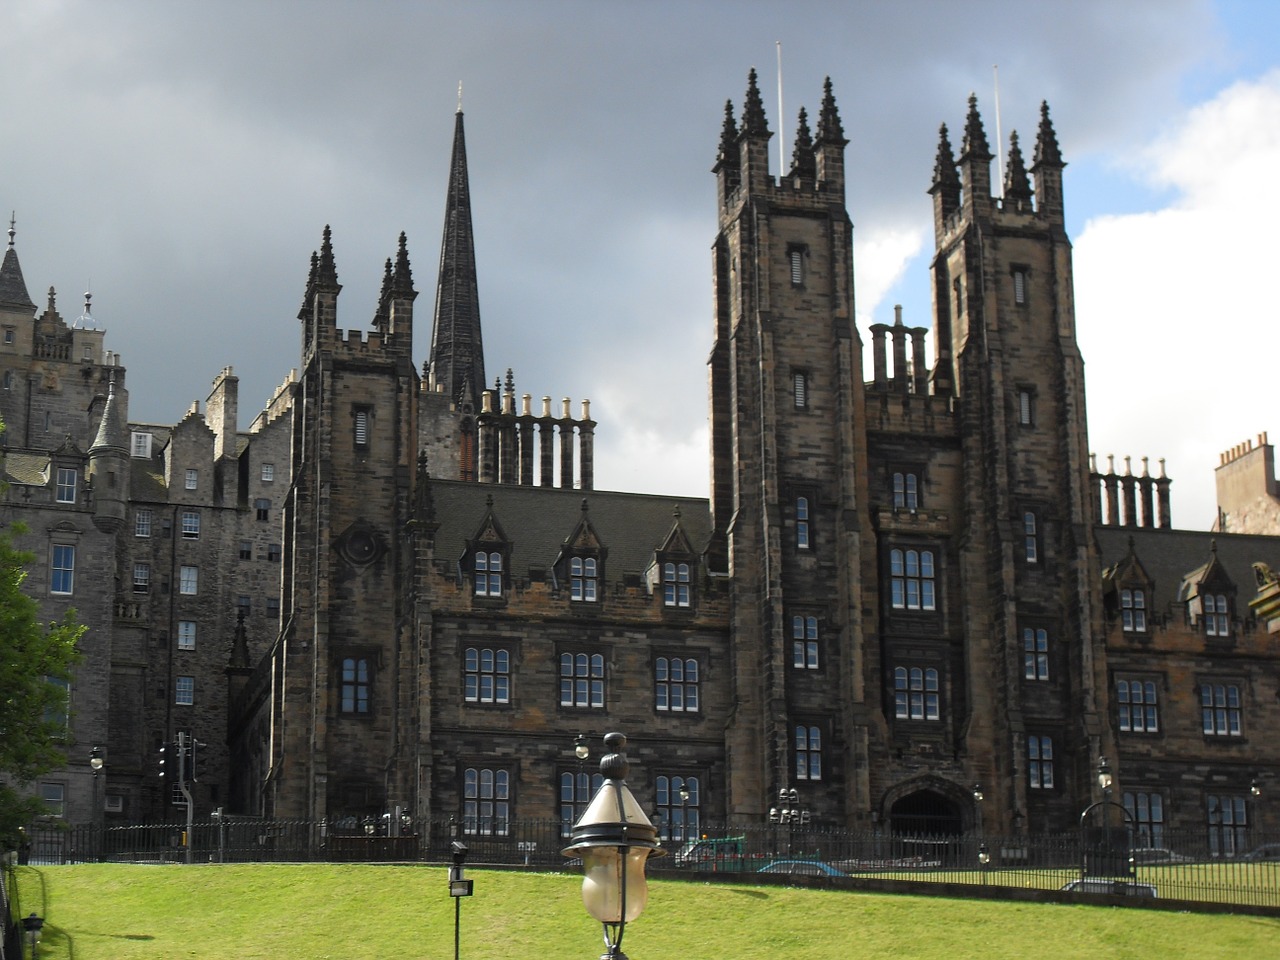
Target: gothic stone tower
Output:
{"points": [[1004, 329], [344, 665], [787, 488]]}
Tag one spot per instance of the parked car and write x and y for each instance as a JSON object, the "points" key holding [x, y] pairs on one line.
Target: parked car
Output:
{"points": [[1268, 851], [1151, 856], [811, 868], [1113, 888]]}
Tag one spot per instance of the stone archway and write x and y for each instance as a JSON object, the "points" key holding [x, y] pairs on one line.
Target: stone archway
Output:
{"points": [[925, 813]]}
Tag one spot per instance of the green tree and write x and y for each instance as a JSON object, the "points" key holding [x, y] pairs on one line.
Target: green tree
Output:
{"points": [[36, 659]]}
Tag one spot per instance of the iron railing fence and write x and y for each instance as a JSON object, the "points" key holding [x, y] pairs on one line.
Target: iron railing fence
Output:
{"points": [[1238, 868]]}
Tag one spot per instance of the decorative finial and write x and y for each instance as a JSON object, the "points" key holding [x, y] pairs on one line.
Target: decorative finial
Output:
{"points": [[13, 221]]}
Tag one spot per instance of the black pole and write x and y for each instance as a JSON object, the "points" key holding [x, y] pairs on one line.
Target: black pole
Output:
{"points": [[457, 924]]}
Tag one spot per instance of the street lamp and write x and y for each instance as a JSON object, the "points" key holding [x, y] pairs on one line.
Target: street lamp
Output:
{"points": [[1104, 777], [459, 887], [96, 763], [1255, 787], [32, 925], [614, 838]]}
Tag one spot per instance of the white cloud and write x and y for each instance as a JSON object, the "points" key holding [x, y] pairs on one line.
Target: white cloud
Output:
{"points": [[1174, 305]]}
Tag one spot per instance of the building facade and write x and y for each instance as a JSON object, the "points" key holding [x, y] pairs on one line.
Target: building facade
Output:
{"points": [[911, 596]]}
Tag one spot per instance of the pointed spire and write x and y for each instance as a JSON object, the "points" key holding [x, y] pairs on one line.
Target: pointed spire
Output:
{"points": [[383, 314], [830, 129], [111, 433], [327, 274], [1047, 152], [457, 350], [13, 289], [753, 120], [802, 159], [728, 136], [975, 137], [402, 278], [944, 167], [1017, 185]]}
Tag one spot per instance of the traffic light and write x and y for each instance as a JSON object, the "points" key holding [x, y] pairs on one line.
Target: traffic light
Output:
{"points": [[165, 754], [189, 761]]}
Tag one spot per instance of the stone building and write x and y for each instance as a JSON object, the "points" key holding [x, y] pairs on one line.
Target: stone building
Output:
{"points": [[398, 590]]}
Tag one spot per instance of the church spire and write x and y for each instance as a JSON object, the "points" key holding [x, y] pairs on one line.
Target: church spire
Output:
{"points": [[457, 352], [13, 289]]}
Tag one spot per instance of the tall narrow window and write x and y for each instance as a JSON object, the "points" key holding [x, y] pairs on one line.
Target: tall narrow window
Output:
{"points": [[142, 522], [576, 790], [796, 257], [1040, 762], [675, 584], [193, 479], [190, 525], [262, 509], [1147, 810], [1031, 537], [1133, 611], [141, 577], [488, 574], [1220, 709], [1020, 287], [800, 389], [911, 580], [1228, 825], [268, 472], [186, 634], [486, 802], [582, 579], [189, 581], [678, 800], [487, 675], [185, 691], [675, 684], [915, 693], [362, 428], [1035, 654], [1026, 408], [1216, 621], [62, 573], [67, 478], [1139, 711], [808, 753], [355, 685], [804, 643], [802, 523]]}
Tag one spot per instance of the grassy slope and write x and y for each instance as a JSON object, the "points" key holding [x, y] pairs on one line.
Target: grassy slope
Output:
{"points": [[309, 912]]}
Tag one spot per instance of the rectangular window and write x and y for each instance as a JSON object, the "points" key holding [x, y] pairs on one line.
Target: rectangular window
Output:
{"points": [[62, 573], [244, 605], [582, 680], [486, 802], [906, 491], [141, 577], [186, 634], [1220, 709], [488, 574], [915, 693], [1139, 711], [273, 607], [185, 691], [268, 472], [355, 685], [54, 796], [582, 579], [246, 550], [193, 479], [486, 675], [911, 580], [1217, 622], [1228, 825], [576, 790], [804, 643], [1133, 611], [796, 258], [808, 753], [800, 390], [262, 509], [190, 525], [141, 445], [1031, 537], [675, 584], [802, 523], [142, 523], [675, 686], [1040, 762], [1147, 810], [189, 581], [1020, 287], [1026, 408], [362, 428], [1035, 654], [66, 492], [678, 801], [273, 552]]}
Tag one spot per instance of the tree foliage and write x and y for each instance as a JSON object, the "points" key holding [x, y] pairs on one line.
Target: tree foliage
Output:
{"points": [[36, 659]]}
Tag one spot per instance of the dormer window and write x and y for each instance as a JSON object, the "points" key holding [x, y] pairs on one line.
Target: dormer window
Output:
{"points": [[1217, 621], [66, 492], [582, 579], [675, 584], [141, 444], [488, 573], [1133, 610]]}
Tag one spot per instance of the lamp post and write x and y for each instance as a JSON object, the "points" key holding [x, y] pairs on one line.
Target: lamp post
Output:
{"points": [[1104, 848], [33, 925], [96, 763], [581, 796], [788, 812], [459, 887], [615, 839]]}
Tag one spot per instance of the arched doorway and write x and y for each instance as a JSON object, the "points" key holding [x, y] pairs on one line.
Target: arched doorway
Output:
{"points": [[925, 813]]}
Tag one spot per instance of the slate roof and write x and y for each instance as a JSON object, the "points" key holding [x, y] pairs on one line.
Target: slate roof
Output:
{"points": [[30, 469], [631, 526], [13, 289], [1169, 556]]}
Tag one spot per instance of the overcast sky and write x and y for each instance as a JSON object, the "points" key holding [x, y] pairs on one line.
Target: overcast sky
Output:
{"points": [[182, 159]]}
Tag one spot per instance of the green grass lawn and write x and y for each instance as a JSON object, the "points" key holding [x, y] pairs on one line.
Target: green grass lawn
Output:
{"points": [[313, 911]]}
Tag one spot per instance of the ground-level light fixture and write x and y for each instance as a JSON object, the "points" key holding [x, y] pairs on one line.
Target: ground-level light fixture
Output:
{"points": [[615, 839]]}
